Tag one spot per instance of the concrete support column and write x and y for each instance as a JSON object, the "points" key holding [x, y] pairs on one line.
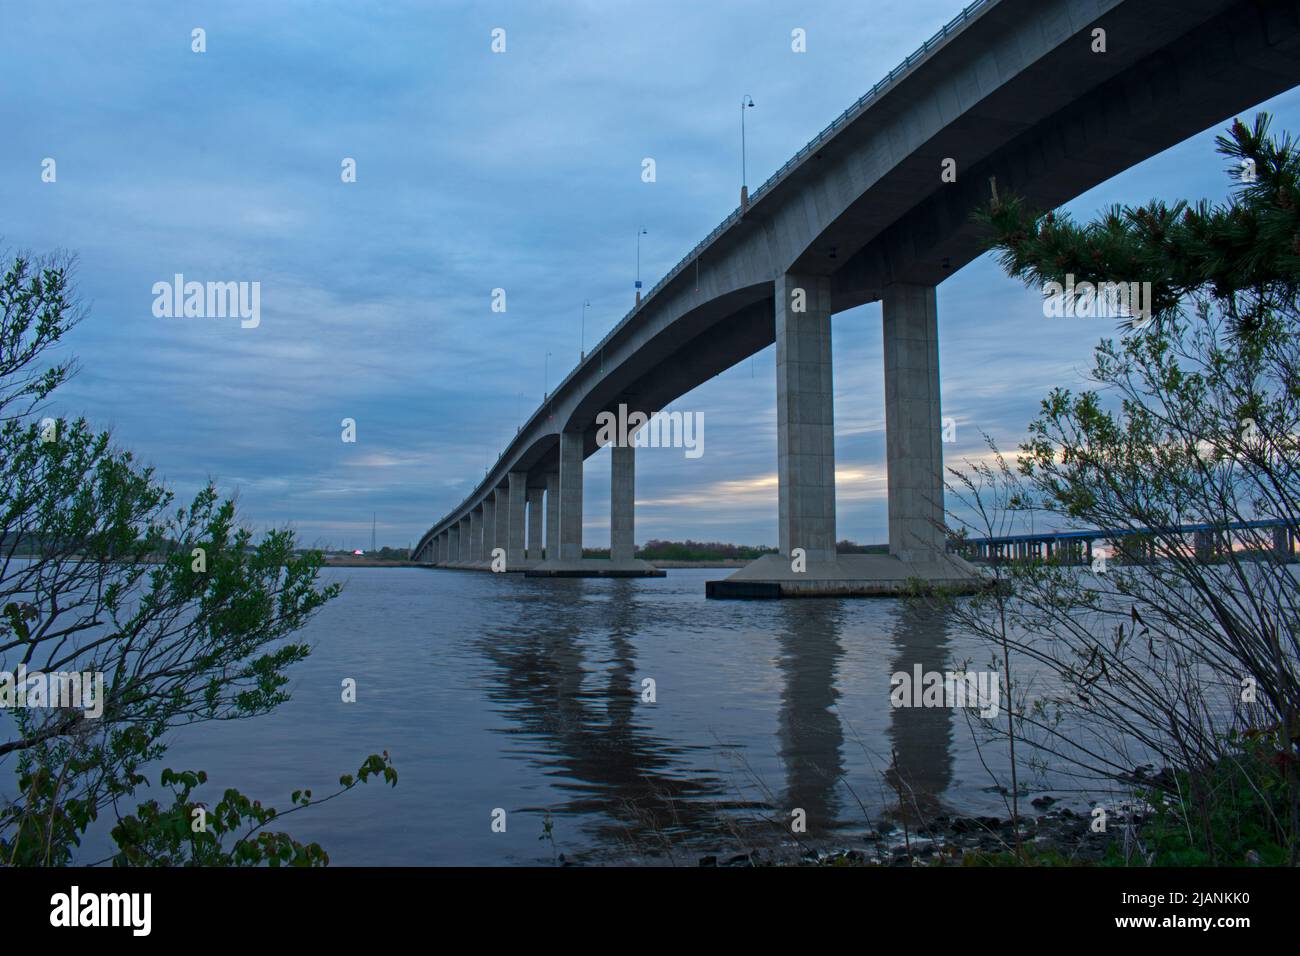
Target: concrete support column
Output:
{"points": [[1204, 545], [435, 549], [453, 544], [489, 533], [535, 509], [570, 496], [913, 423], [1282, 542], [474, 543], [502, 526], [805, 416], [552, 517], [622, 503], [518, 496]]}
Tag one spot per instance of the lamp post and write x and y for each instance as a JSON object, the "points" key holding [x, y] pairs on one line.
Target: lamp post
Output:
{"points": [[546, 377], [582, 343], [746, 102], [640, 232]]}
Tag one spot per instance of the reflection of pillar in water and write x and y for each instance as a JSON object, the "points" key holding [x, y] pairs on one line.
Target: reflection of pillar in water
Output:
{"points": [[920, 736], [811, 737]]}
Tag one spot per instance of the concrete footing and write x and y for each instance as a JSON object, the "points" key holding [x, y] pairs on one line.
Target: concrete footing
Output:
{"points": [[594, 568], [849, 575]]}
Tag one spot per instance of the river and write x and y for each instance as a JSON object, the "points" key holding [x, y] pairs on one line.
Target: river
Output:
{"points": [[529, 696]]}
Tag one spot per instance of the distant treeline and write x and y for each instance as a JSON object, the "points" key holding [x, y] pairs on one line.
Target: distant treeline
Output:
{"points": [[688, 550], [852, 547]]}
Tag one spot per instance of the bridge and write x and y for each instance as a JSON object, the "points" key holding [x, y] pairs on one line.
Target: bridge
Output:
{"points": [[1135, 544], [1019, 90]]}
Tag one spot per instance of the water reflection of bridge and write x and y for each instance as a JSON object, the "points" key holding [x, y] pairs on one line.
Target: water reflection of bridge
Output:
{"points": [[644, 790]]}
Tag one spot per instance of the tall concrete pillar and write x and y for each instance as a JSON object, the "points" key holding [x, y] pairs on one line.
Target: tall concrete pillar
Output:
{"points": [[473, 544], [553, 516], [518, 502], [502, 526], [489, 533], [453, 544], [622, 502], [570, 496], [535, 509], [435, 547], [913, 423], [805, 416]]}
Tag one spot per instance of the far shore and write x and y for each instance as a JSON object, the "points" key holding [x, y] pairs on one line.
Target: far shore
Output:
{"points": [[360, 562]]}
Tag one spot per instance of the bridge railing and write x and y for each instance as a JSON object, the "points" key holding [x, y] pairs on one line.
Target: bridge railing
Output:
{"points": [[915, 57]]}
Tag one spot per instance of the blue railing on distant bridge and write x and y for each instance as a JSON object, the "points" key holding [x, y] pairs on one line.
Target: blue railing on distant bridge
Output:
{"points": [[1111, 534], [1077, 545]]}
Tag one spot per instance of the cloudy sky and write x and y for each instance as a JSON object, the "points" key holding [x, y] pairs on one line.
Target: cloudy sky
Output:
{"points": [[475, 171]]}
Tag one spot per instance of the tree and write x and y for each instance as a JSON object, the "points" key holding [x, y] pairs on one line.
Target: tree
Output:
{"points": [[1164, 655], [179, 611]]}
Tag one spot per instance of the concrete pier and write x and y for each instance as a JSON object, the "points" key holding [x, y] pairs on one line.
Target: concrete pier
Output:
{"points": [[517, 506], [913, 424], [487, 540], [536, 514], [552, 516], [570, 496], [918, 556], [805, 417], [622, 504], [570, 563], [473, 544], [1203, 545], [501, 523]]}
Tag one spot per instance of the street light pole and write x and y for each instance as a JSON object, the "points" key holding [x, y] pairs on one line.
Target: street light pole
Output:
{"points": [[746, 102], [546, 377], [640, 232], [582, 344]]}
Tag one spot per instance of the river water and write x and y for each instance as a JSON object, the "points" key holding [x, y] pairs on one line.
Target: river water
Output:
{"points": [[498, 692]]}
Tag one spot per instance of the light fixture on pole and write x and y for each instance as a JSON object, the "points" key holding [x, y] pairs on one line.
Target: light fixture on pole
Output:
{"points": [[582, 344], [746, 102], [640, 232], [546, 377]]}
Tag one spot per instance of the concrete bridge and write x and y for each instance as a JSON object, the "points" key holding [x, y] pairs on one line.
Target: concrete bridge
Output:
{"points": [[1012, 89]]}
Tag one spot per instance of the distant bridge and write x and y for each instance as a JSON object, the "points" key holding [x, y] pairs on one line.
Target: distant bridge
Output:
{"points": [[1012, 89], [1133, 543]]}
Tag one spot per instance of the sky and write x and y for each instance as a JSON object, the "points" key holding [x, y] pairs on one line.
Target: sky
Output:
{"points": [[475, 170]]}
